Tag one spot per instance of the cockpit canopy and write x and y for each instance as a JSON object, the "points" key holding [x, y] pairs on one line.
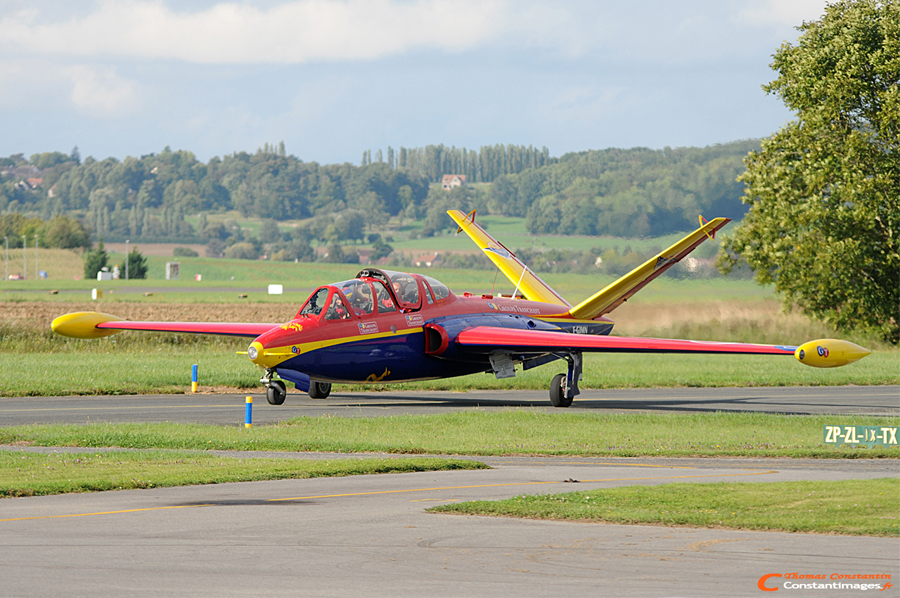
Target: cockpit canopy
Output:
{"points": [[374, 291]]}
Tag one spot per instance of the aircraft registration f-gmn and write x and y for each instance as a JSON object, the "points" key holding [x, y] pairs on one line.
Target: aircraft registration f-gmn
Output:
{"points": [[385, 326]]}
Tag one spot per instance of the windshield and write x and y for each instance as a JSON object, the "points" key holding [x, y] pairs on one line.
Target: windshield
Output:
{"points": [[315, 304], [439, 289]]}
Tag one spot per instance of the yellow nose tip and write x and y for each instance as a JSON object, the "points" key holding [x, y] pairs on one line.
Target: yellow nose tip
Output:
{"points": [[268, 357]]}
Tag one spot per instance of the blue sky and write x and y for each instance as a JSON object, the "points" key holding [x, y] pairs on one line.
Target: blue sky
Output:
{"points": [[332, 78]]}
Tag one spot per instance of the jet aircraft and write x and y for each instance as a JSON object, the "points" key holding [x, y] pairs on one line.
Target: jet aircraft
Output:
{"points": [[384, 326]]}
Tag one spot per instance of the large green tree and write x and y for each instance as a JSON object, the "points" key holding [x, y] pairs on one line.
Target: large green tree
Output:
{"points": [[824, 191]]}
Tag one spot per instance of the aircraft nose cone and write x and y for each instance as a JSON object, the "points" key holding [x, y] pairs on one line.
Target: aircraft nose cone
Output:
{"points": [[263, 357]]}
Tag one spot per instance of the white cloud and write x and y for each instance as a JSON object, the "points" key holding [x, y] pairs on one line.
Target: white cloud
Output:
{"points": [[782, 13], [101, 92], [291, 32]]}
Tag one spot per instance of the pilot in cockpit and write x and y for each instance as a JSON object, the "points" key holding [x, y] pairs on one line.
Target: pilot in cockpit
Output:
{"points": [[360, 297]]}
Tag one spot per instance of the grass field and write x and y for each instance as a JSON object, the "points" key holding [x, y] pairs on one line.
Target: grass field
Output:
{"points": [[511, 432], [853, 507], [30, 474]]}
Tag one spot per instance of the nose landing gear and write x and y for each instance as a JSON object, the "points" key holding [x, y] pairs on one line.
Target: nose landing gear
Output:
{"points": [[276, 391]]}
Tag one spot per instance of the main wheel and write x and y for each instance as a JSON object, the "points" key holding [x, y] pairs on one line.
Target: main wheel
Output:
{"points": [[558, 392], [276, 392], [319, 390]]}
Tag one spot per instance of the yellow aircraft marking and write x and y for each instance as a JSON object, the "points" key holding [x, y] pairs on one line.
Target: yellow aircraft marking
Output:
{"points": [[374, 378], [407, 490]]}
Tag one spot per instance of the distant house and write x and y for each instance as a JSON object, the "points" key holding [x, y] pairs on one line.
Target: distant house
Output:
{"points": [[453, 180], [29, 184], [427, 259]]}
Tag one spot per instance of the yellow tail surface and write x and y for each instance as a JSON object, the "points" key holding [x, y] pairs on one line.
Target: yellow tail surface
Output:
{"points": [[602, 302], [617, 293], [526, 281]]}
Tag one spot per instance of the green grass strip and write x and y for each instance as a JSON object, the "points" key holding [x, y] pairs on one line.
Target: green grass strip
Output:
{"points": [[510, 432], [33, 474], [854, 507]]}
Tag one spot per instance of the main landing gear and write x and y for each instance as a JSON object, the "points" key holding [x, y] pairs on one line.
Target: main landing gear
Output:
{"points": [[319, 390], [276, 391], [564, 387]]}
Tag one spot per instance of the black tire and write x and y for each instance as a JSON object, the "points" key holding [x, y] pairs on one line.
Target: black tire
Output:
{"points": [[558, 391], [276, 392], [319, 390]]}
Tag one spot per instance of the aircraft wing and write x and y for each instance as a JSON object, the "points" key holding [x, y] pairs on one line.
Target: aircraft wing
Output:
{"points": [[615, 294], [518, 273], [97, 325], [818, 353]]}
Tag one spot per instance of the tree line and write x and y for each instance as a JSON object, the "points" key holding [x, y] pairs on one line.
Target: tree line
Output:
{"points": [[634, 192], [482, 166]]}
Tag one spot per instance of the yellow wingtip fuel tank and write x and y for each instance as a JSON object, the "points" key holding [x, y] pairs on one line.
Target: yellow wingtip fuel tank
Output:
{"points": [[829, 353], [83, 324]]}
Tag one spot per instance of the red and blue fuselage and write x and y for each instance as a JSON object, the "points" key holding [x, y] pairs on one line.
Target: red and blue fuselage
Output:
{"points": [[389, 326]]}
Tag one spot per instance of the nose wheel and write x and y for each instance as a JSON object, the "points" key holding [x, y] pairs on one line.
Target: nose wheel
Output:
{"points": [[276, 391]]}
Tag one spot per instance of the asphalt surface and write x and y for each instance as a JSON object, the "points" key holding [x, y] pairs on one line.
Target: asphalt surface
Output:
{"points": [[372, 536], [230, 408]]}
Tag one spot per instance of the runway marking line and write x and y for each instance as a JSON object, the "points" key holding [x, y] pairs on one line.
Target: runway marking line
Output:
{"points": [[680, 477], [119, 408], [106, 512], [727, 475], [591, 463]]}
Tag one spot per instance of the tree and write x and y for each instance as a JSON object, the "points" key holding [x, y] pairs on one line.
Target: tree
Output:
{"points": [[137, 264], [96, 260], [65, 233], [824, 191]]}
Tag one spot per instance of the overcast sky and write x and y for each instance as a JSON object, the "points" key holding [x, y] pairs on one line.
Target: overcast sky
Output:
{"points": [[332, 78]]}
